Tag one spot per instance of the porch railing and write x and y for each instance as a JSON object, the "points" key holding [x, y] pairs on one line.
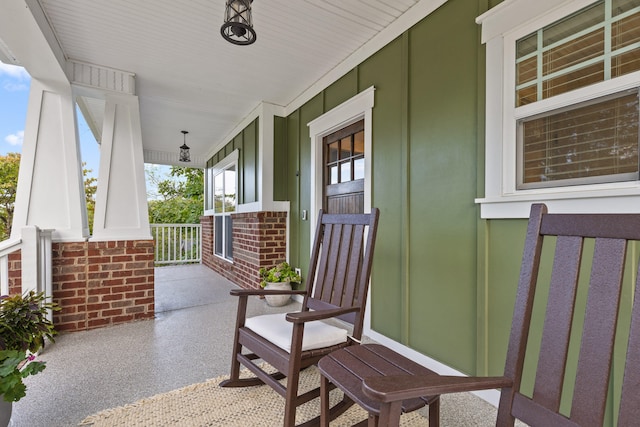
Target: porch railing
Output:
{"points": [[177, 243], [7, 247], [35, 246]]}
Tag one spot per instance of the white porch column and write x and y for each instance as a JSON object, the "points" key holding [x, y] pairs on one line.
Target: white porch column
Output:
{"points": [[121, 197], [50, 184]]}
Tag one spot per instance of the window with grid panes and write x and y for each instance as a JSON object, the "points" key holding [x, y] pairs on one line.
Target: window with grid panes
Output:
{"points": [[587, 141], [224, 203], [345, 158]]}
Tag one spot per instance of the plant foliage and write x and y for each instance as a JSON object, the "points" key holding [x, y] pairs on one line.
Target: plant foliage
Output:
{"points": [[23, 328], [9, 166], [182, 197], [280, 273]]}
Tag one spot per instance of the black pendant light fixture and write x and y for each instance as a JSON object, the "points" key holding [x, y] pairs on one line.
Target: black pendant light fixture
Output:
{"points": [[238, 24], [184, 149]]}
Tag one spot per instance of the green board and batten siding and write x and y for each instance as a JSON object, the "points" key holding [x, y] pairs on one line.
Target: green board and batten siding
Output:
{"points": [[427, 136]]}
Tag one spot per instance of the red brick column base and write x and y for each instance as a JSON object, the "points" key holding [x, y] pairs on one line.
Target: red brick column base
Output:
{"points": [[259, 240], [15, 273], [102, 283]]}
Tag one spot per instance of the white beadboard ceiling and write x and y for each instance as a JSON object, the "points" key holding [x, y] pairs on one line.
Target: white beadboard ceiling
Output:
{"points": [[188, 77]]}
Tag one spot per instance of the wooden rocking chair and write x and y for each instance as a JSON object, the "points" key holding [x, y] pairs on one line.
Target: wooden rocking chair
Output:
{"points": [[337, 286], [383, 395]]}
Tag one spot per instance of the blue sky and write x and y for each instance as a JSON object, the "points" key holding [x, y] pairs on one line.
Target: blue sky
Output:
{"points": [[14, 96]]}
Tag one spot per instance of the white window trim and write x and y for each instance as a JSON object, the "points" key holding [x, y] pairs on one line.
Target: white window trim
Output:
{"points": [[215, 170], [221, 166], [501, 27]]}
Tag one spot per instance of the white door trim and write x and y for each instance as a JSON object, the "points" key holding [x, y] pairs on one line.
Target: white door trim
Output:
{"points": [[357, 108]]}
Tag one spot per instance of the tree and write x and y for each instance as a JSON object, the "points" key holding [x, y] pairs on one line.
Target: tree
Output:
{"points": [[182, 197], [9, 166], [90, 188]]}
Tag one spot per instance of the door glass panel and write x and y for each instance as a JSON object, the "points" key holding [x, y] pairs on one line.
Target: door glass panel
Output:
{"points": [[333, 174], [345, 148], [358, 169], [333, 152], [345, 172], [358, 143]]}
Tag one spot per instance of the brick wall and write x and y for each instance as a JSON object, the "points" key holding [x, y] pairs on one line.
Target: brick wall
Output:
{"points": [[102, 283], [97, 283], [259, 240], [15, 273]]}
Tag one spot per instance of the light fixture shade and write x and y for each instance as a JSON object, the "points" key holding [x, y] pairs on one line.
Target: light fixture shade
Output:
{"points": [[238, 24], [184, 149]]}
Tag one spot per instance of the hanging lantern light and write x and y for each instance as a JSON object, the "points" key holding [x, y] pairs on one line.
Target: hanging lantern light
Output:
{"points": [[184, 149], [238, 24]]}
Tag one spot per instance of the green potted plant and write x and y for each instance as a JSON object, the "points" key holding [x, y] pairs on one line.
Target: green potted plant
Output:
{"points": [[279, 277], [23, 328]]}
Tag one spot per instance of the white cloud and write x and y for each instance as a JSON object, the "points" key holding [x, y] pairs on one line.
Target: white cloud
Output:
{"points": [[10, 86], [14, 78], [14, 71], [15, 138]]}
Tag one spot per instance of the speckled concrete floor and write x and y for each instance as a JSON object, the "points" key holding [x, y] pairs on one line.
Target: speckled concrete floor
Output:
{"points": [[189, 341]]}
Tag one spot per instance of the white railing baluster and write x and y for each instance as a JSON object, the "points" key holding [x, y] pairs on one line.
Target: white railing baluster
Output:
{"points": [[36, 258], [177, 243]]}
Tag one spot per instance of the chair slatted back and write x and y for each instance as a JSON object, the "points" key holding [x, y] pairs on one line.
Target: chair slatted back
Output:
{"points": [[591, 387], [340, 264]]}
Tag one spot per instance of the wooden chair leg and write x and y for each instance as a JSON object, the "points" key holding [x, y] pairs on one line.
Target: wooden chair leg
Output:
{"points": [[434, 413], [390, 414], [324, 401], [291, 400], [234, 375]]}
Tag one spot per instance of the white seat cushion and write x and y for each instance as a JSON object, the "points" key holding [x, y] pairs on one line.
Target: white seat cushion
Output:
{"points": [[276, 329]]}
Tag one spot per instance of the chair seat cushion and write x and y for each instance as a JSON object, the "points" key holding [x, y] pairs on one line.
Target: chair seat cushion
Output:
{"points": [[276, 329]]}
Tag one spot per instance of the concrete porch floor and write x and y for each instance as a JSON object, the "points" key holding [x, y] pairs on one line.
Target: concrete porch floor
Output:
{"points": [[189, 341]]}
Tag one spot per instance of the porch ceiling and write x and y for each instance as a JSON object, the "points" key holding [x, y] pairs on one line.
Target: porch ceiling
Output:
{"points": [[188, 77]]}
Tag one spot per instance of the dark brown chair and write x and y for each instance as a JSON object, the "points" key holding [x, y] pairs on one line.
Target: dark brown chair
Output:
{"points": [[610, 235], [337, 286]]}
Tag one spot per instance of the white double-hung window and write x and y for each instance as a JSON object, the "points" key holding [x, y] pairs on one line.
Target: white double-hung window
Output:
{"points": [[221, 202], [562, 114]]}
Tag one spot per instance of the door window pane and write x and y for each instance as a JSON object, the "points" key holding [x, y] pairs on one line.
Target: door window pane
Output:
{"points": [[345, 172], [333, 152], [358, 169], [333, 174], [345, 148]]}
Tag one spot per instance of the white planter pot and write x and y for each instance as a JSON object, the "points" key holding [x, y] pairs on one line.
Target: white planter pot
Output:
{"points": [[278, 300], [5, 412]]}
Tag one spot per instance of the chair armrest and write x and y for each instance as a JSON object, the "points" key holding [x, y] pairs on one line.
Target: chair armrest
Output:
{"points": [[309, 316], [400, 387], [250, 292]]}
